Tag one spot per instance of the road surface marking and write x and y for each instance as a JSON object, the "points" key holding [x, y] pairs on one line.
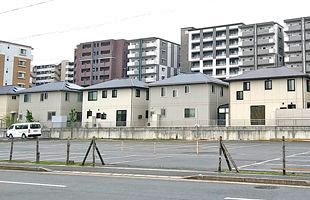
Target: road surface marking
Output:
{"points": [[127, 161], [232, 198], [34, 184]]}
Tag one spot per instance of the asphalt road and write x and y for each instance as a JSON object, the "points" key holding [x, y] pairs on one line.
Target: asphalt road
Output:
{"points": [[49, 186], [180, 155]]}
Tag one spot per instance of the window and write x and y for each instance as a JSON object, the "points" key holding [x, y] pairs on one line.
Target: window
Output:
{"points": [[147, 93], [21, 75], [174, 93], [212, 89], [67, 96], [50, 115], [139, 116], [163, 112], [246, 86], [14, 97], [98, 115], [239, 95], [137, 93], [27, 97], [308, 85], [163, 92], [268, 84], [222, 91], [21, 63], [291, 106], [80, 97], [92, 96], [89, 113], [146, 114], [23, 51], [104, 93], [189, 112], [114, 93], [186, 88], [103, 116], [291, 85]]}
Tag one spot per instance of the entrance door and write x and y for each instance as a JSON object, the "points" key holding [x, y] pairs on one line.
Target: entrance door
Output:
{"points": [[121, 117], [257, 115]]}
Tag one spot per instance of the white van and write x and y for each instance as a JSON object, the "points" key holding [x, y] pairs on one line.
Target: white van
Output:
{"points": [[24, 130]]}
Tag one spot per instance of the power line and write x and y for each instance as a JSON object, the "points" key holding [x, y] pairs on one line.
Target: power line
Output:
{"points": [[24, 7]]}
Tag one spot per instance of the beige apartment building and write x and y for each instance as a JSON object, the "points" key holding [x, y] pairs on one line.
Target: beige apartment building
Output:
{"points": [[119, 102], [9, 100], [187, 100], [51, 103], [256, 96]]}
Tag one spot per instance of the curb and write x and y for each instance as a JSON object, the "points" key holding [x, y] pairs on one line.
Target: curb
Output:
{"points": [[252, 180], [24, 168]]}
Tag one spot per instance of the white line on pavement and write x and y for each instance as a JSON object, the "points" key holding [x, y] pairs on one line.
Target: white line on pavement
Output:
{"points": [[34, 184], [233, 198], [141, 160]]}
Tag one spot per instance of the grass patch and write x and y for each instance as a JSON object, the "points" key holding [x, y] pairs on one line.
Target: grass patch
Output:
{"points": [[45, 162], [276, 173]]}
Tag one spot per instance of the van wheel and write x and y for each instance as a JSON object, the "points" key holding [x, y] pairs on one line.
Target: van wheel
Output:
{"points": [[24, 136], [11, 136]]}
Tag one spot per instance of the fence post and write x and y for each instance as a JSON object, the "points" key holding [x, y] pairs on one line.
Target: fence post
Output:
{"points": [[37, 151], [220, 156], [197, 147], [154, 147], [11, 150], [68, 151], [94, 148], [283, 154]]}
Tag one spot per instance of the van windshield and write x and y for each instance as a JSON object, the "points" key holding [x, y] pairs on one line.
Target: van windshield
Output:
{"points": [[35, 126]]}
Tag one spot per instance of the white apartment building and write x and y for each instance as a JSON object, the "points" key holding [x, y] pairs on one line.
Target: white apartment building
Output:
{"points": [[297, 43], [211, 50], [152, 59], [67, 71], [42, 74], [15, 62]]}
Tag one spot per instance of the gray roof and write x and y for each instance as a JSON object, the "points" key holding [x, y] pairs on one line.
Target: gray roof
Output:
{"points": [[118, 83], [186, 79], [275, 72], [51, 87], [10, 89]]}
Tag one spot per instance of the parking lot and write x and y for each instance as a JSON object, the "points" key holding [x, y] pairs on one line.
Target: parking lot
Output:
{"points": [[248, 155]]}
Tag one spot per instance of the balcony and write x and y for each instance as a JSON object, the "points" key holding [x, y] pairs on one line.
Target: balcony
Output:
{"points": [[307, 26], [221, 37], [293, 38], [246, 63], [149, 80], [132, 72], [307, 46], [196, 48], [220, 56], [131, 64], [150, 53], [195, 38], [265, 61], [207, 57], [265, 41], [149, 62], [133, 55], [207, 48], [133, 46], [246, 33], [221, 46], [265, 31], [295, 48], [150, 71], [307, 36], [246, 53], [293, 58], [308, 57], [148, 45], [265, 51], [247, 43], [295, 27]]}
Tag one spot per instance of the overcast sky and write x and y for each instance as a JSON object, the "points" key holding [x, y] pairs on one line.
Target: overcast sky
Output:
{"points": [[54, 28]]}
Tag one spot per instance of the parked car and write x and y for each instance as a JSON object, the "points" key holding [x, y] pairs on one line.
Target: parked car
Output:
{"points": [[24, 130]]}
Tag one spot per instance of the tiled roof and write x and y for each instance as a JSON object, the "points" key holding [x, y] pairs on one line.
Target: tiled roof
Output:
{"points": [[191, 78], [275, 72], [10, 89], [118, 83], [56, 86]]}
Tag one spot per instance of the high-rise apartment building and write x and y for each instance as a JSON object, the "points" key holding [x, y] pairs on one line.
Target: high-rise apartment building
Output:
{"points": [[98, 61], [261, 46], [67, 71], [42, 74], [211, 50], [152, 59], [297, 43], [15, 64]]}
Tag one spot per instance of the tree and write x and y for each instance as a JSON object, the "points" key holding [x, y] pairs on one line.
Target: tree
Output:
{"points": [[72, 117], [9, 120], [29, 117]]}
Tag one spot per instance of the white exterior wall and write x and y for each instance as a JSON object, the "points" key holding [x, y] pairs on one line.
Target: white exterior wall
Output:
{"points": [[10, 51], [55, 103], [272, 99], [8, 106], [125, 100], [200, 98]]}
